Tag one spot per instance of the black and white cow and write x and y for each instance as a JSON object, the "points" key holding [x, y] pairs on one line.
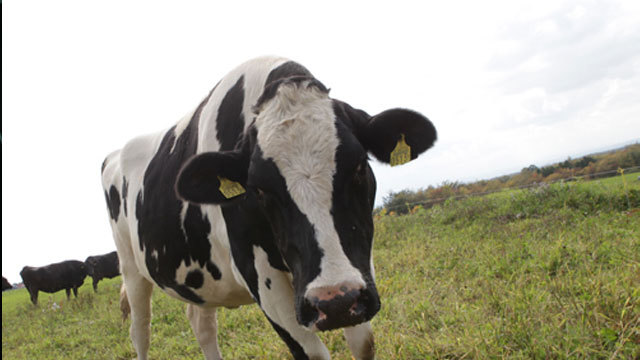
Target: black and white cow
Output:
{"points": [[68, 275], [263, 194], [102, 266]]}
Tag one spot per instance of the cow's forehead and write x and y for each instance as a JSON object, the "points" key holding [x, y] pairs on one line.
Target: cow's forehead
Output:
{"points": [[297, 130]]}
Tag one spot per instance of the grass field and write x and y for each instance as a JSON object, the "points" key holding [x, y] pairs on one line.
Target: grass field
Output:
{"points": [[552, 272]]}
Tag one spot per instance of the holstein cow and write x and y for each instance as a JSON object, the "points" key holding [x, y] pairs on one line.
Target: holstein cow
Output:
{"points": [[102, 266], [68, 275], [263, 194], [5, 284]]}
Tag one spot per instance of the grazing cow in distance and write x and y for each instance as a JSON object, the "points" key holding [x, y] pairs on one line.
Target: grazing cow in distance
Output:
{"points": [[5, 284], [68, 275], [102, 266], [263, 194]]}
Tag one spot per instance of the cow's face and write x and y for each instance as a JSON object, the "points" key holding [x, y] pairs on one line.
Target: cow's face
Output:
{"points": [[90, 264], [305, 161]]}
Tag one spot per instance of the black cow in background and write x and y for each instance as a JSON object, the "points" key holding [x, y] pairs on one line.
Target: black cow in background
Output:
{"points": [[52, 278], [102, 266], [5, 284]]}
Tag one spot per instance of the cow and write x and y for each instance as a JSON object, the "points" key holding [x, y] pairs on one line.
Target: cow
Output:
{"points": [[102, 266], [5, 284], [68, 275], [263, 193]]}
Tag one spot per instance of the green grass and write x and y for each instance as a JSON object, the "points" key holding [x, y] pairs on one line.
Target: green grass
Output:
{"points": [[552, 272]]}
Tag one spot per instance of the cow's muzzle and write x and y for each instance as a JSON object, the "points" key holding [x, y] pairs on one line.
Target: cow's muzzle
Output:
{"points": [[333, 307]]}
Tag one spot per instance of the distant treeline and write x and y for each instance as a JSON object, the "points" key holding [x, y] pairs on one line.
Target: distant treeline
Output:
{"points": [[587, 167]]}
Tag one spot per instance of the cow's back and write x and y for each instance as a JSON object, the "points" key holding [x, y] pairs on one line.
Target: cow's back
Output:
{"points": [[184, 248], [55, 277]]}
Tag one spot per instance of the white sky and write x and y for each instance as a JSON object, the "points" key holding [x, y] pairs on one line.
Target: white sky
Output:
{"points": [[506, 83]]}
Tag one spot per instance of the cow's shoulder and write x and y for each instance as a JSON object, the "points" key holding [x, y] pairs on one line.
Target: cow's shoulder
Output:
{"points": [[135, 156]]}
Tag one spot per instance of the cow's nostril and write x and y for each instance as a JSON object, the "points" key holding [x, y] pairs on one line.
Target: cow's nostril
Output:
{"points": [[357, 309], [308, 313]]}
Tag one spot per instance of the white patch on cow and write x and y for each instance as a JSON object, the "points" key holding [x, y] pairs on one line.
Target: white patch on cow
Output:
{"points": [[297, 130], [154, 254], [255, 74], [181, 125], [183, 215], [182, 271], [277, 301]]}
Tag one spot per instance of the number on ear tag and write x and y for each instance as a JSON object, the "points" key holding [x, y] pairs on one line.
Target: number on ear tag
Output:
{"points": [[401, 154], [230, 188]]}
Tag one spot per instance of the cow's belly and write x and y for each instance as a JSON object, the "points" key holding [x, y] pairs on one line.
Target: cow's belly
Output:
{"points": [[228, 290], [224, 292]]}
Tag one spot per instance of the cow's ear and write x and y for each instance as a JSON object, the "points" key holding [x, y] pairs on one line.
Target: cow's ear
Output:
{"points": [[213, 178], [397, 136]]}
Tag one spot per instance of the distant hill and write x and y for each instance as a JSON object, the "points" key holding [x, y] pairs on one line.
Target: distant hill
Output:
{"points": [[595, 165]]}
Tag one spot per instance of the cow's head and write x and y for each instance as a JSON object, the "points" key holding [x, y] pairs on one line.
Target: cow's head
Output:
{"points": [[305, 161], [90, 263]]}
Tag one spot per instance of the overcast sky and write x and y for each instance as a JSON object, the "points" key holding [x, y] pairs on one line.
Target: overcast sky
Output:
{"points": [[506, 83]]}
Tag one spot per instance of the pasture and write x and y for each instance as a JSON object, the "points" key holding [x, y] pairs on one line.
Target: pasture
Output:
{"points": [[551, 272]]}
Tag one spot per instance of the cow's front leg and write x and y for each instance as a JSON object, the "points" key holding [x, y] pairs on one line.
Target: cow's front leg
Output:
{"points": [[68, 291], [34, 296], [204, 325], [360, 340], [138, 292], [276, 298]]}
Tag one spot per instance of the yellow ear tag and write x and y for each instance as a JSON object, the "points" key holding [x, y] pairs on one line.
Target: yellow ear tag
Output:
{"points": [[401, 154], [230, 188]]}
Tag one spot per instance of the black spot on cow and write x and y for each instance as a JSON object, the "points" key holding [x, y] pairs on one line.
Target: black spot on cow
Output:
{"points": [[286, 70], [194, 279], [267, 283], [67, 275], [272, 88], [230, 121], [197, 230], [104, 165], [125, 193], [113, 202], [159, 213]]}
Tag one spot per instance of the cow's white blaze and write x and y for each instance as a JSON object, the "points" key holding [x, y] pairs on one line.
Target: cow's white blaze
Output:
{"points": [[296, 129]]}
